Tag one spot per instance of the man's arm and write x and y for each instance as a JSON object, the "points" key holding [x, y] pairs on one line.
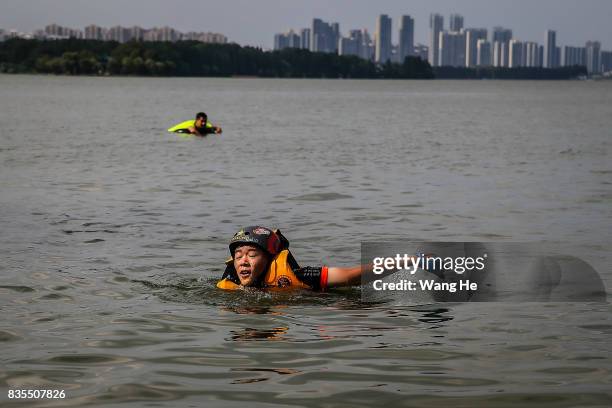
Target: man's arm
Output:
{"points": [[323, 277], [333, 276], [351, 276]]}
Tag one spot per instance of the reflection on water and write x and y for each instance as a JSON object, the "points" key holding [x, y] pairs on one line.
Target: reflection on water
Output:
{"points": [[249, 333], [114, 234]]}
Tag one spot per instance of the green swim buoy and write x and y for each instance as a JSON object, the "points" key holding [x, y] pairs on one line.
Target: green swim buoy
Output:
{"points": [[183, 127]]}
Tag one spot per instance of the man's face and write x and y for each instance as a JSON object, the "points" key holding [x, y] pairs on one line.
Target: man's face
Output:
{"points": [[250, 262], [200, 122]]}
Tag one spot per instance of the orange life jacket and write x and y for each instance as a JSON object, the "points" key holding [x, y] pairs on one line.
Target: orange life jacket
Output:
{"points": [[278, 276]]}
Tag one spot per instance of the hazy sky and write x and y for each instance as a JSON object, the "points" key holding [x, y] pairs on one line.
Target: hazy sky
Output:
{"points": [[255, 22]]}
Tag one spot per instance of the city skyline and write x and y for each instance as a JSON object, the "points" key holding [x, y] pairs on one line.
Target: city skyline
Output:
{"points": [[115, 33], [256, 22], [450, 45], [457, 46]]}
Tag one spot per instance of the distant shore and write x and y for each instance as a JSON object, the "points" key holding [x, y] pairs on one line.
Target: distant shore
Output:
{"points": [[196, 59]]}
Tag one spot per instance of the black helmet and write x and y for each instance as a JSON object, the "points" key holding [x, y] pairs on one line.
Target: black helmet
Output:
{"points": [[268, 240]]}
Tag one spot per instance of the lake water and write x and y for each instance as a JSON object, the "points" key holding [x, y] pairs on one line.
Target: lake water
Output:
{"points": [[113, 233]]}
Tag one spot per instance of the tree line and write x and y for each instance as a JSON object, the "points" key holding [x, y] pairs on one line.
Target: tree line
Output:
{"points": [[193, 58]]}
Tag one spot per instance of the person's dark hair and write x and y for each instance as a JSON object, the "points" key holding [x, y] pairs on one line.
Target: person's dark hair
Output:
{"points": [[201, 115]]}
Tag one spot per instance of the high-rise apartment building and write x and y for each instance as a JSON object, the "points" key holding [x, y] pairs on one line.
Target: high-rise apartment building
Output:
{"points": [[383, 39], [574, 56], [501, 46], [58, 32], [212, 38], [54, 30], [318, 34], [305, 38], [456, 22], [606, 61], [295, 41], [472, 36], [516, 54], [593, 57], [336, 33], [137, 33], [452, 49], [289, 39], [406, 38], [550, 49], [533, 54], [368, 46], [151, 34], [119, 34], [324, 37], [436, 26], [483, 53], [93, 32], [280, 42], [352, 45], [168, 34], [501, 55], [501, 34]]}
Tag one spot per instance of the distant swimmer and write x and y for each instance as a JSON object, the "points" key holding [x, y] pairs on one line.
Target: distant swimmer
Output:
{"points": [[198, 127], [260, 258], [202, 127]]}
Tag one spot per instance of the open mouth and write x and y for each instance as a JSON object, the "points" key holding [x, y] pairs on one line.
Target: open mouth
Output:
{"points": [[244, 274]]}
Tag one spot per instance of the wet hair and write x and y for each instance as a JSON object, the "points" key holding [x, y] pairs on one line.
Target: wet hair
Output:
{"points": [[201, 115]]}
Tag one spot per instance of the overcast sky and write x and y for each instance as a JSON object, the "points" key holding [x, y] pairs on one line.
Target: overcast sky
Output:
{"points": [[255, 22]]}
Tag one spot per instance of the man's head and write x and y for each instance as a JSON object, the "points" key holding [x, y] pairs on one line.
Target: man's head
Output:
{"points": [[252, 248], [250, 263], [201, 119]]}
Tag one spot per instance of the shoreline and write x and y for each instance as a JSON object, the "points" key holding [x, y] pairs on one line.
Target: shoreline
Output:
{"points": [[40, 74]]}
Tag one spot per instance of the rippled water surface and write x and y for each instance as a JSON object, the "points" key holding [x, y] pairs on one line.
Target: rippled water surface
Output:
{"points": [[113, 233]]}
